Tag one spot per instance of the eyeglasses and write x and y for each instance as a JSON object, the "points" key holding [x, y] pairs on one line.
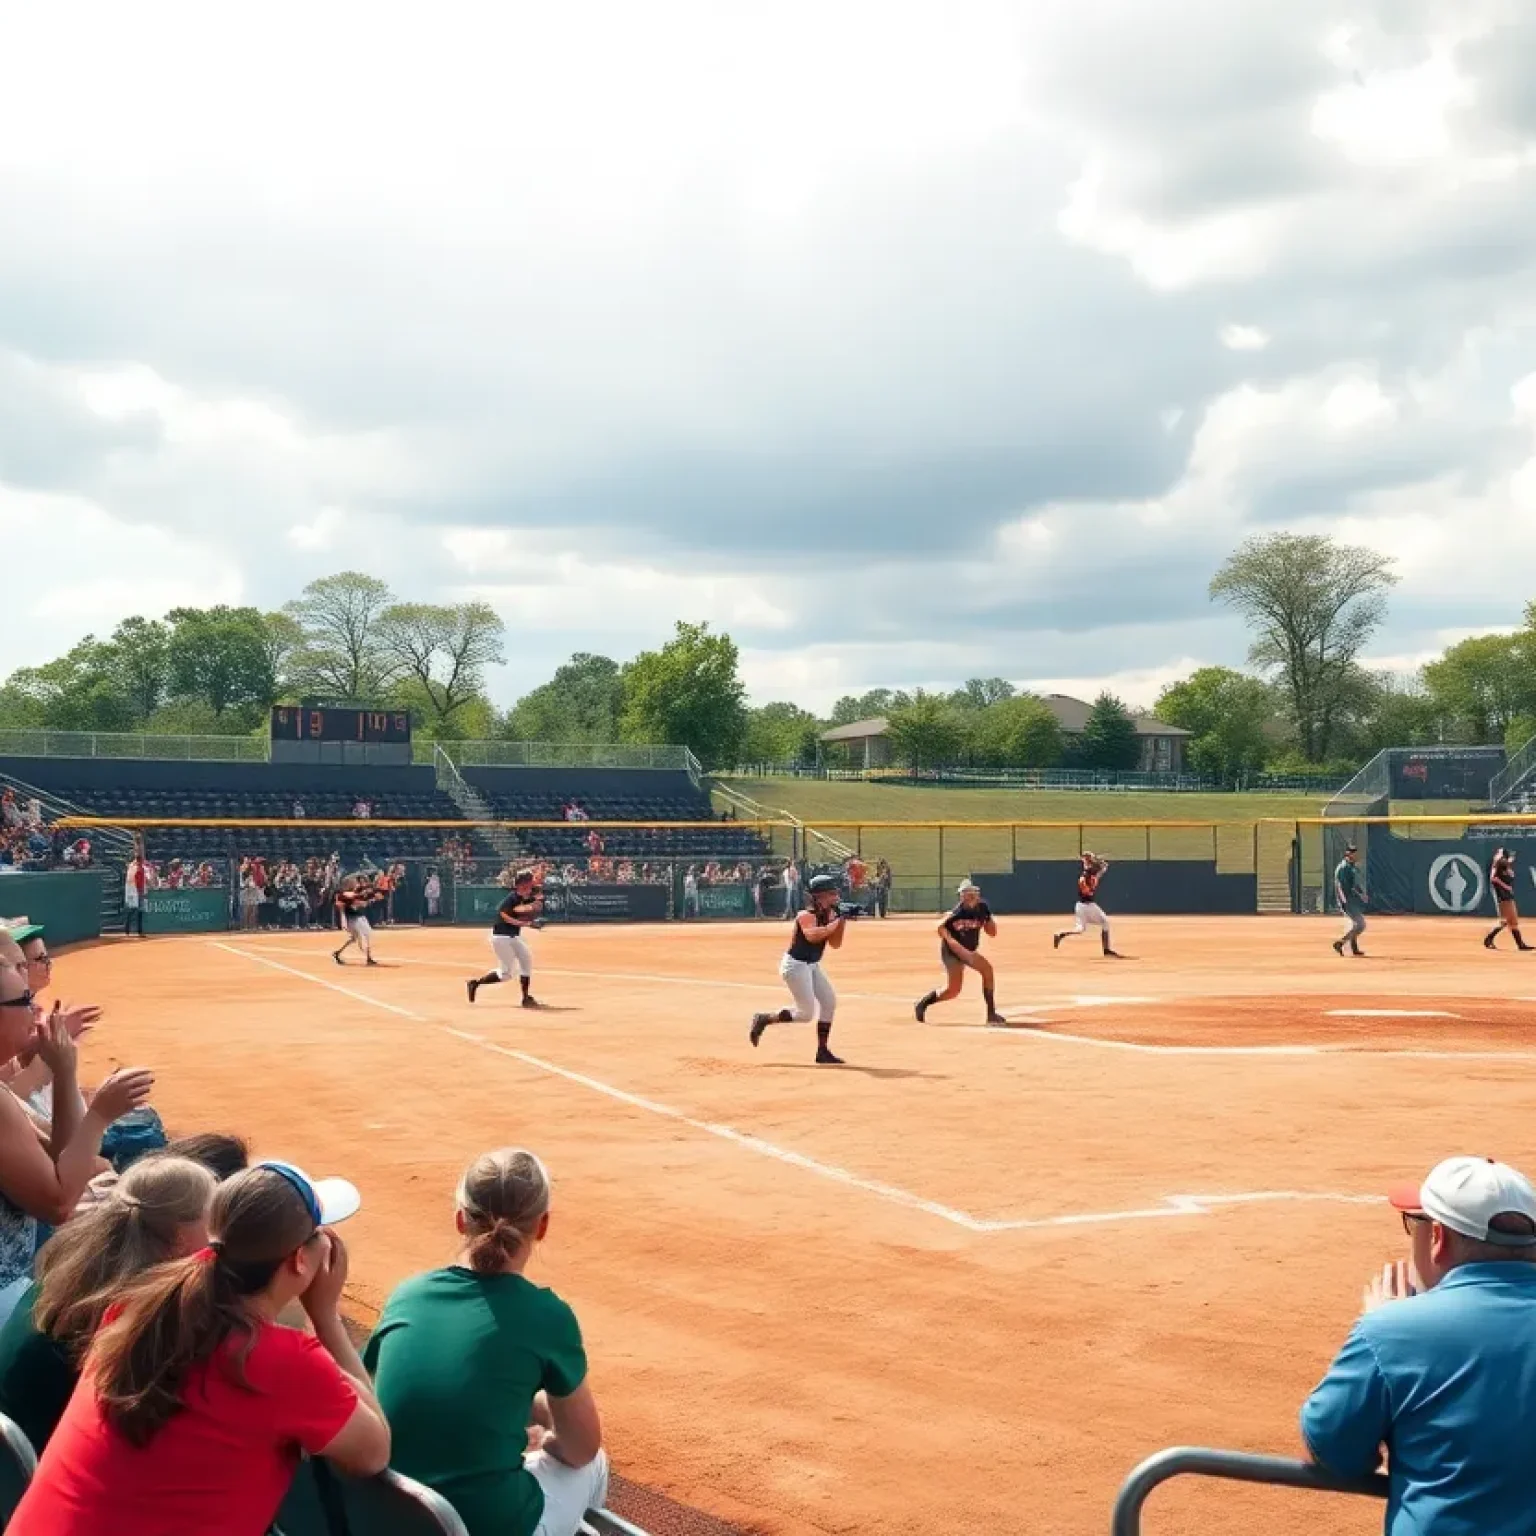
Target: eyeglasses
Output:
{"points": [[41, 960], [24, 1001], [1410, 1221]]}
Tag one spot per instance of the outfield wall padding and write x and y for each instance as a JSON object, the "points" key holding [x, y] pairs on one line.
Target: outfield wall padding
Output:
{"points": [[1150, 886], [67, 904]]}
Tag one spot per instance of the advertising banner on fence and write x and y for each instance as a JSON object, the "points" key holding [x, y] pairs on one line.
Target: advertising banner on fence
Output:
{"points": [[1443, 878], [200, 911], [726, 901], [576, 903]]}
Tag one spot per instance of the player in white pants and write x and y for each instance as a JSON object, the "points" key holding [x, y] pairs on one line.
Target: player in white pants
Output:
{"points": [[1087, 912], [819, 925], [352, 902], [519, 909]]}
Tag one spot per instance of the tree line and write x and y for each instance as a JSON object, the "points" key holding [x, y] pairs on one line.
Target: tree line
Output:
{"points": [[1307, 703]]}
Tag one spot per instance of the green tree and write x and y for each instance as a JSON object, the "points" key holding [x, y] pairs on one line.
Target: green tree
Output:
{"points": [[1109, 738], [877, 703], [580, 703], [1228, 715], [1393, 713], [688, 693], [1521, 729], [926, 732], [1311, 604], [139, 657], [342, 653], [780, 733], [219, 656], [980, 692], [443, 651], [79, 691], [283, 639], [1485, 683], [1017, 732]]}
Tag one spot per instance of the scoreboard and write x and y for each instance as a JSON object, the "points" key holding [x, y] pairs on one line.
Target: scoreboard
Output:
{"points": [[323, 734]]}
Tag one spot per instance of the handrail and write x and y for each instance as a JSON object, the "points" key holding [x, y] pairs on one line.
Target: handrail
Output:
{"points": [[1233, 1466], [1513, 773]]}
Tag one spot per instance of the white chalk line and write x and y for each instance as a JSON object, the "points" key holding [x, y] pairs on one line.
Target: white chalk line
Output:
{"points": [[1389, 1013], [1027, 1013], [1173, 1205]]}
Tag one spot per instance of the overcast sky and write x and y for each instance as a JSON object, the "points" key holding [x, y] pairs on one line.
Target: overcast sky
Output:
{"points": [[907, 342]]}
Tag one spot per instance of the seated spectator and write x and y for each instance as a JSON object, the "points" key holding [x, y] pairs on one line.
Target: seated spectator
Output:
{"points": [[1441, 1369], [223, 1156], [43, 1181], [299, 812], [193, 1404], [483, 1375], [157, 1210]]}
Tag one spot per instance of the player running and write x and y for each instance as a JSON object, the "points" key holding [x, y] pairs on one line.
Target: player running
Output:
{"points": [[960, 950], [352, 903], [1349, 892], [820, 924], [1088, 912], [1501, 876], [520, 909]]}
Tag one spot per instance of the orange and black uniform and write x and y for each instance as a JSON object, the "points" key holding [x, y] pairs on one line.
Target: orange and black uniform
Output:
{"points": [[1088, 884], [1501, 877]]}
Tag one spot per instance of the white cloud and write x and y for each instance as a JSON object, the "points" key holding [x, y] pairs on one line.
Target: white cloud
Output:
{"points": [[1244, 338], [878, 334]]}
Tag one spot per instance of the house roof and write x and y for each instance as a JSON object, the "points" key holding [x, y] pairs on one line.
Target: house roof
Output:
{"points": [[1071, 714], [859, 730]]}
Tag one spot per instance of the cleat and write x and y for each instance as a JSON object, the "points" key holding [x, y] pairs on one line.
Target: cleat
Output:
{"points": [[760, 1022], [997, 1021], [472, 987], [1113, 954], [371, 961], [530, 1001], [825, 1058], [921, 1012], [1338, 948], [1056, 939], [336, 956], [1488, 942]]}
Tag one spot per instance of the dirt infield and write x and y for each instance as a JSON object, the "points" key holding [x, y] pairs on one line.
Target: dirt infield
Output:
{"points": [[969, 1280]]}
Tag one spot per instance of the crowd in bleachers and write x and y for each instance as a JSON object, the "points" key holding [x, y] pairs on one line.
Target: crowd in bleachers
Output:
{"points": [[28, 843], [171, 1337]]}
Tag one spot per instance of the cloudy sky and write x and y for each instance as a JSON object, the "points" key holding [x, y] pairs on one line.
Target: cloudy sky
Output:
{"points": [[905, 341]]}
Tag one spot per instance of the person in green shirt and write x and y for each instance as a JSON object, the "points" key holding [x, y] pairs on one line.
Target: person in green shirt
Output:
{"points": [[157, 1210], [1349, 891], [482, 1374]]}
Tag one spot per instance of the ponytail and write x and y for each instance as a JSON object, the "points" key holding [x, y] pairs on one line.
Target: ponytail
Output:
{"points": [[182, 1314], [503, 1197]]}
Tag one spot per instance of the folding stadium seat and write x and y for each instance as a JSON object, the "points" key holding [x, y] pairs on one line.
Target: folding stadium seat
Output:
{"points": [[18, 1461]]}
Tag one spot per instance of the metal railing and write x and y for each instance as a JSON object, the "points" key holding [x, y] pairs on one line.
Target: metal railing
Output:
{"points": [[1513, 774], [109, 744], [558, 754], [1232, 1466], [1087, 779]]}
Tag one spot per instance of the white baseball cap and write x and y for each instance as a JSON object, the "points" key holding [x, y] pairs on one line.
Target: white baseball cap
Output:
{"points": [[966, 885], [328, 1200], [1468, 1194]]}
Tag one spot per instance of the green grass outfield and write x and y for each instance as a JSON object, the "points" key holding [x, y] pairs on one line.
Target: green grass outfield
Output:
{"points": [[1114, 824]]}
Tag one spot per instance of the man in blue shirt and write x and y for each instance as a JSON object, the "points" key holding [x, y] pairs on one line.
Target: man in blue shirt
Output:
{"points": [[1349, 893], [1441, 1370]]}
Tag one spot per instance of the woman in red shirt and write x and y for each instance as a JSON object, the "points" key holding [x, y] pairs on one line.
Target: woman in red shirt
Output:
{"points": [[194, 1403]]}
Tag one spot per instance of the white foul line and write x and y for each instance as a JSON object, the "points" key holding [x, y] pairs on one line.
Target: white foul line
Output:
{"points": [[1173, 1205]]}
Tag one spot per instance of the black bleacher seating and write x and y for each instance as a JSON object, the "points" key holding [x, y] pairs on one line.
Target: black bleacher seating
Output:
{"points": [[325, 1502]]}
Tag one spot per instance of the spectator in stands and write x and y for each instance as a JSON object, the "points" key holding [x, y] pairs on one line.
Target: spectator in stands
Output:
{"points": [[205, 876], [882, 888], [38, 1181], [192, 1396], [791, 889], [10, 812], [157, 1210], [288, 888], [222, 1155], [432, 897], [483, 1374], [250, 897], [361, 810], [136, 884], [691, 892], [854, 872], [1441, 1369], [78, 854], [299, 812]]}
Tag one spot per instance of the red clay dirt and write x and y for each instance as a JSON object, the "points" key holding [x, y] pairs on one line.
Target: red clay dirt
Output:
{"points": [[968, 1281]]}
